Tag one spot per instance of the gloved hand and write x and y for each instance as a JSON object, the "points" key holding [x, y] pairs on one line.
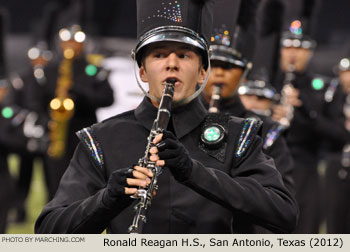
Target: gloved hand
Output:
{"points": [[175, 156], [114, 195]]}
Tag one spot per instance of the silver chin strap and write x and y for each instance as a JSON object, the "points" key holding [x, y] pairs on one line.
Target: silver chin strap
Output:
{"points": [[241, 80], [178, 103]]}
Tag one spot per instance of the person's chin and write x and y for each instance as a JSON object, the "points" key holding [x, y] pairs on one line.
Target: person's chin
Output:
{"points": [[177, 98]]}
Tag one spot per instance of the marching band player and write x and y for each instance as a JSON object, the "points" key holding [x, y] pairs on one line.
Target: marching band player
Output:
{"points": [[204, 160]]}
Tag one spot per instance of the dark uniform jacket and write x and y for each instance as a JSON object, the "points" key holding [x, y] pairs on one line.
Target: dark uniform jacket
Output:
{"points": [[337, 178], [308, 130], [279, 151], [206, 203], [311, 124], [333, 111]]}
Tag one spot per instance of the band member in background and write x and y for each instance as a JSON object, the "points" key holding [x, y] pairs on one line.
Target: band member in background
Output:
{"points": [[217, 172], [7, 193], [337, 151], [230, 61], [40, 54], [308, 127], [72, 90]]}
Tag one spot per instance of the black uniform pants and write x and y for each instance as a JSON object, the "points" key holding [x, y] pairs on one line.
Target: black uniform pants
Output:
{"points": [[337, 198], [24, 178], [307, 187], [54, 170], [6, 191]]}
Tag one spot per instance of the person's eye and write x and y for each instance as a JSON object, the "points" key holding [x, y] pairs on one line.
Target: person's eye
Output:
{"points": [[184, 55], [159, 55]]}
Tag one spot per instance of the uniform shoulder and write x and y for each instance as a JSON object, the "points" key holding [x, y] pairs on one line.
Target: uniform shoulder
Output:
{"points": [[91, 136], [246, 129], [123, 117], [111, 122], [241, 122]]}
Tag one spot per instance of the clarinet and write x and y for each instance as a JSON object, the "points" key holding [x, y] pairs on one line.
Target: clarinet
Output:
{"points": [[145, 195], [345, 159], [288, 82], [283, 123], [215, 99]]}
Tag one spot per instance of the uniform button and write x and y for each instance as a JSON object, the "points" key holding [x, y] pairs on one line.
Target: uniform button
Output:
{"points": [[313, 114], [342, 173]]}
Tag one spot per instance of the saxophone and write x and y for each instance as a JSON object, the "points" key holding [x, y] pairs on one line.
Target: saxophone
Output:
{"points": [[145, 195], [215, 99], [61, 107]]}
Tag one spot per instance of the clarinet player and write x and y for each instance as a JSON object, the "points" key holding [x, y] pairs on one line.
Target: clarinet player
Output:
{"points": [[204, 163]]}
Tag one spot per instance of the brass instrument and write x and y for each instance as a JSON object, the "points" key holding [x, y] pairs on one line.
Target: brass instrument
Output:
{"points": [[145, 195], [61, 107], [215, 99]]}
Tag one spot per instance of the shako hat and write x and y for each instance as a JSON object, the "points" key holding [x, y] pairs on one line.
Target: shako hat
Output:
{"points": [[233, 36], [183, 21]]}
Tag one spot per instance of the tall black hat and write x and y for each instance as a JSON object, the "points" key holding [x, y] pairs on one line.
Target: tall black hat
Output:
{"points": [[184, 21], [298, 33], [75, 18], [233, 38], [3, 15], [266, 57], [45, 31]]}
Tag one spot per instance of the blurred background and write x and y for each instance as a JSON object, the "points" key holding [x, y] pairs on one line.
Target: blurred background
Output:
{"points": [[113, 23], [111, 29]]}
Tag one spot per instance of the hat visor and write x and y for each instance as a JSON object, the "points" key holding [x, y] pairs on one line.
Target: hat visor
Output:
{"points": [[172, 34], [224, 54]]}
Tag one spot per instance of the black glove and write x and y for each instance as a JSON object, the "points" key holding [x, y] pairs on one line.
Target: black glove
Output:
{"points": [[114, 195], [176, 157]]}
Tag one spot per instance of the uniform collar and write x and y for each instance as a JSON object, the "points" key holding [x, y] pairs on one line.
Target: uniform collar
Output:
{"points": [[185, 118]]}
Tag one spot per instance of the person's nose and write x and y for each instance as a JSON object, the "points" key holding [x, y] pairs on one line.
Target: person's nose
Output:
{"points": [[218, 72], [173, 62]]}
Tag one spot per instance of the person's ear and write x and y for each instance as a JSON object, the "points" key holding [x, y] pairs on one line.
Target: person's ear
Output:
{"points": [[202, 75], [143, 74]]}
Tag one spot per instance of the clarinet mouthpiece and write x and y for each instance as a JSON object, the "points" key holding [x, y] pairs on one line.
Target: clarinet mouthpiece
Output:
{"points": [[171, 80]]}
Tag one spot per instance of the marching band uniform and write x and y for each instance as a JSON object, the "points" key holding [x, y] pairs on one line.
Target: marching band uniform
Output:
{"points": [[222, 178]]}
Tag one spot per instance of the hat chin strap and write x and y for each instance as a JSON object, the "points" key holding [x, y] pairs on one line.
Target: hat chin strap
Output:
{"points": [[181, 102], [240, 83]]}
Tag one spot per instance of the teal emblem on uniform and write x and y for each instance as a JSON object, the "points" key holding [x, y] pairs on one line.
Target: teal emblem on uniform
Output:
{"points": [[7, 112], [212, 134], [317, 84], [91, 70]]}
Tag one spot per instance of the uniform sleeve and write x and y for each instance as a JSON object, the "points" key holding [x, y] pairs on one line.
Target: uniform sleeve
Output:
{"points": [[326, 119], [284, 162], [77, 206], [254, 187]]}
